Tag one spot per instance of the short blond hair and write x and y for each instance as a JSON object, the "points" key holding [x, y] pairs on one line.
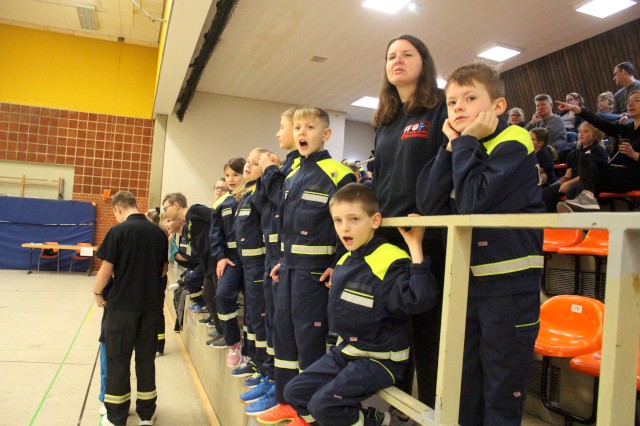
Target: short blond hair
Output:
{"points": [[311, 112]]}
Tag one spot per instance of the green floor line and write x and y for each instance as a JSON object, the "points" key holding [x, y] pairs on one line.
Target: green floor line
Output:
{"points": [[55, 376]]}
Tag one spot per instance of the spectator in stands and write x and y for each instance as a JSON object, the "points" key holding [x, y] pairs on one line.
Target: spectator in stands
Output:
{"points": [[622, 174], [571, 120], [589, 144], [605, 102], [544, 117], [624, 74], [369, 307], [516, 116], [220, 189], [540, 139]]}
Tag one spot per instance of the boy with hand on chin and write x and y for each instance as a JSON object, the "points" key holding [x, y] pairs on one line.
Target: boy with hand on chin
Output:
{"points": [[309, 251], [374, 288], [490, 167]]}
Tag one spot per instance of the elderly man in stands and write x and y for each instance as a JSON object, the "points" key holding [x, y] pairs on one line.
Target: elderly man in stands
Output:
{"points": [[544, 117]]}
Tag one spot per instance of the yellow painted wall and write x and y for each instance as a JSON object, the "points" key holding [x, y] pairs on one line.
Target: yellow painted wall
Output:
{"points": [[47, 69]]}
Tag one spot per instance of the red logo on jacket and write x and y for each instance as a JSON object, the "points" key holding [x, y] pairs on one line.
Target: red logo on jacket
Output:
{"points": [[417, 130]]}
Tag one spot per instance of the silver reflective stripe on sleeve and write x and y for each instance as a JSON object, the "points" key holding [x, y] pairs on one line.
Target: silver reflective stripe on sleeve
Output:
{"points": [[313, 250], [253, 252]]}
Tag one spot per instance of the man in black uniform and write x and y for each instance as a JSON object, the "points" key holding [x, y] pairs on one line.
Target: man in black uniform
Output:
{"points": [[134, 252]]}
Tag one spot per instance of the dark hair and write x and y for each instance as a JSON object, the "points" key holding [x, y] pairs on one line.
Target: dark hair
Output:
{"points": [[357, 193], [154, 215], [544, 97], [542, 134], [627, 67], [577, 97], [235, 164], [176, 197], [310, 111], [124, 199], [426, 95], [478, 72]]}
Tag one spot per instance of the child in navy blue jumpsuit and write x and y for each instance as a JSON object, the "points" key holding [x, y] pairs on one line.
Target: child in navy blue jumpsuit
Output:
{"points": [[374, 289], [490, 167]]}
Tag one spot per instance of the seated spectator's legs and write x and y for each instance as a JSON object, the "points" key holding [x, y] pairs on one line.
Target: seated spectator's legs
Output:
{"points": [[607, 179], [551, 196]]}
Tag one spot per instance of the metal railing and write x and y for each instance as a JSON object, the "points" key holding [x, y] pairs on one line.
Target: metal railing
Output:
{"points": [[617, 389]]}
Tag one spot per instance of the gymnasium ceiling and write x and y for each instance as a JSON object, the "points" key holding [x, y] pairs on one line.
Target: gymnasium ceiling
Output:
{"points": [[266, 49]]}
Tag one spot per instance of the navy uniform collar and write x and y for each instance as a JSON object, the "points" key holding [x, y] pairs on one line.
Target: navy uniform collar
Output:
{"points": [[368, 248]]}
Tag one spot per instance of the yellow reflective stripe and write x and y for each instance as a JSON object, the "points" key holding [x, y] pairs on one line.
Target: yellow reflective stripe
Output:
{"points": [[270, 351], [528, 325], [161, 336], [348, 290], [232, 244], [254, 252], [221, 199], [287, 365], [273, 238], [281, 246], [344, 257], [145, 396], [117, 399], [334, 169], [313, 250], [308, 418], [251, 336], [315, 196], [511, 133], [226, 212], [360, 421], [227, 317], [356, 299], [196, 294], [244, 328], [383, 366], [508, 266], [381, 259], [393, 356], [261, 343]]}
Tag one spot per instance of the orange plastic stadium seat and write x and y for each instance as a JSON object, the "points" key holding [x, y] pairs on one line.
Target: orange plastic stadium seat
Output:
{"points": [[590, 364], [596, 243], [570, 326], [557, 238]]}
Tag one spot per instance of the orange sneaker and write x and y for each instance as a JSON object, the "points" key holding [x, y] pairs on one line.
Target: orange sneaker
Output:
{"points": [[299, 421], [277, 414]]}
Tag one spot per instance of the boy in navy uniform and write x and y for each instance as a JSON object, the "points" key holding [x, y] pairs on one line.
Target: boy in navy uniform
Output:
{"points": [[374, 288], [308, 243], [134, 252], [490, 167]]}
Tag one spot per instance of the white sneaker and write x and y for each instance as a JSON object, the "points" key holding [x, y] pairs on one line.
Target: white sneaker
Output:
{"points": [[583, 202], [105, 422], [173, 286], [103, 409], [148, 422]]}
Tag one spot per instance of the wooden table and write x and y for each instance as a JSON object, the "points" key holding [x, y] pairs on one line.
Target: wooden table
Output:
{"points": [[33, 246]]}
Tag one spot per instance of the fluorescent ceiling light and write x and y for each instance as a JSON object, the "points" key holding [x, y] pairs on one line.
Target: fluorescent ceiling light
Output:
{"points": [[366, 102], [499, 53], [441, 83], [604, 8], [387, 6]]}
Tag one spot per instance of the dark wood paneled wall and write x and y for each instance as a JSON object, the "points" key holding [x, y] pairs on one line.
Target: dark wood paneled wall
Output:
{"points": [[585, 67]]}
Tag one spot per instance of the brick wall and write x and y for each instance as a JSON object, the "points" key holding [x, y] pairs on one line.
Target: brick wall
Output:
{"points": [[108, 152]]}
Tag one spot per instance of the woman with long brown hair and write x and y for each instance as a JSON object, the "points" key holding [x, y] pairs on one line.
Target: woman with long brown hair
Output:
{"points": [[408, 125]]}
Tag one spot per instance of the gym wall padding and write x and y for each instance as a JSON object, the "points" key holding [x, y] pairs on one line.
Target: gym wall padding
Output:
{"points": [[33, 220]]}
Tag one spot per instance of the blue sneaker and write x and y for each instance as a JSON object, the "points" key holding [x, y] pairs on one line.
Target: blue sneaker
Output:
{"points": [[246, 369], [267, 402], [200, 309], [253, 381], [258, 392]]}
